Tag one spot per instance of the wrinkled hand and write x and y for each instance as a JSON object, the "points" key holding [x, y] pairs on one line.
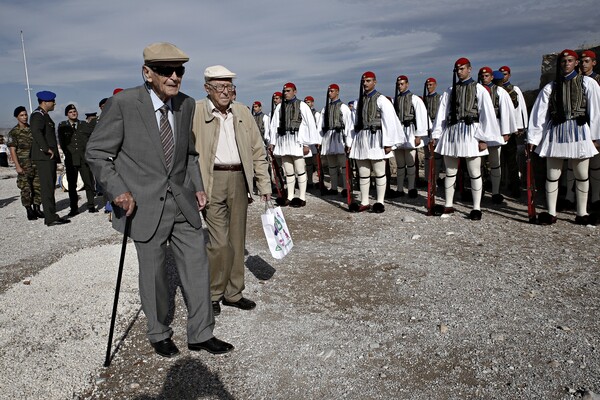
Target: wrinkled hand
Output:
{"points": [[20, 170], [417, 141], [201, 199], [506, 137], [270, 148], [306, 150], [126, 202], [482, 146], [51, 153], [387, 149]]}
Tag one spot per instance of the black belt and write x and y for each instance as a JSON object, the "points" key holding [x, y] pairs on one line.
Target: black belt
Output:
{"points": [[232, 167]]}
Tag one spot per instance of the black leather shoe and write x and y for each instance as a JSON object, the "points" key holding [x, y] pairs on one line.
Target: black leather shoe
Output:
{"points": [[243, 304], [73, 212], [413, 193], [378, 208], [212, 345], [216, 308], [59, 221], [475, 215], [92, 210], [165, 348], [38, 211]]}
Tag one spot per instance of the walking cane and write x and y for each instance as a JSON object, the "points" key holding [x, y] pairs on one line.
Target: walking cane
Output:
{"points": [[117, 290]]}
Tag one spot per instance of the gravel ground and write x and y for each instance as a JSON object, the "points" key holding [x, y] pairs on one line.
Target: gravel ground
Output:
{"points": [[366, 306]]}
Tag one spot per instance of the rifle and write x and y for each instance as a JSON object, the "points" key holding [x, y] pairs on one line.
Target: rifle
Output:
{"points": [[348, 180], [431, 183], [530, 187], [277, 178], [320, 173]]}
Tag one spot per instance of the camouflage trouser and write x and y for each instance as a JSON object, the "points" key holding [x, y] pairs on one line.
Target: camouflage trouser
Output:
{"points": [[29, 184]]}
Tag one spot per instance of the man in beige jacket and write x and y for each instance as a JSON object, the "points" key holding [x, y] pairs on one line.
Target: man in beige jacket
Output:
{"points": [[231, 153]]}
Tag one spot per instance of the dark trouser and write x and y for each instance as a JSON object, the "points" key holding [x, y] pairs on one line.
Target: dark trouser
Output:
{"points": [[88, 180], [510, 166], [47, 173], [191, 261]]}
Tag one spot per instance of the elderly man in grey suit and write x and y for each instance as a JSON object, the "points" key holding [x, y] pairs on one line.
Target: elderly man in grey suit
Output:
{"points": [[143, 153]]}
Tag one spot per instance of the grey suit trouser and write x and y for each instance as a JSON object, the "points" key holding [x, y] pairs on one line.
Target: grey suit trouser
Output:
{"points": [[189, 252]]}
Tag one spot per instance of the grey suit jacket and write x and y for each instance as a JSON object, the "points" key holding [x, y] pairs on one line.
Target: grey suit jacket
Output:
{"points": [[125, 154]]}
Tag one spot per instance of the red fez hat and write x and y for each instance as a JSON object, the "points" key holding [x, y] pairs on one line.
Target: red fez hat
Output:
{"points": [[277, 94], [485, 70], [588, 53], [368, 74], [431, 80], [567, 53], [289, 85], [257, 103], [309, 98], [334, 86], [402, 78], [504, 68], [117, 90], [462, 61]]}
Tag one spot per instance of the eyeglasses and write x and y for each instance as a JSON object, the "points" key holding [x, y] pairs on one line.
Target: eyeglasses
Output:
{"points": [[221, 88], [167, 71]]}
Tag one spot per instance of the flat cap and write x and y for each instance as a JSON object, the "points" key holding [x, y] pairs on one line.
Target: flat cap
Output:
{"points": [[218, 72], [46, 95], [164, 52]]}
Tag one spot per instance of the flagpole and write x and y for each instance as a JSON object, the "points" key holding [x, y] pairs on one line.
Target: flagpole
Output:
{"points": [[26, 73]]}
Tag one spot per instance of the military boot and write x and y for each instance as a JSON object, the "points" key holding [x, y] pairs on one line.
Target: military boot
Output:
{"points": [[38, 212], [31, 215]]}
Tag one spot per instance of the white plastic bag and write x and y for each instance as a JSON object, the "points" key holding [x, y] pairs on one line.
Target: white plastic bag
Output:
{"points": [[276, 231]]}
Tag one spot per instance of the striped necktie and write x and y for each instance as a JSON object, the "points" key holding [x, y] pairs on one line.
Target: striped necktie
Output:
{"points": [[166, 135]]}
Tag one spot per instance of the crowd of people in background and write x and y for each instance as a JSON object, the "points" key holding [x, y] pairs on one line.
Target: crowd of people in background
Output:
{"points": [[480, 128]]}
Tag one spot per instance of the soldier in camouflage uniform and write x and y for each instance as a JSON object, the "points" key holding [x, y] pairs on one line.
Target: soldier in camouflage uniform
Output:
{"points": [[28, 180]]}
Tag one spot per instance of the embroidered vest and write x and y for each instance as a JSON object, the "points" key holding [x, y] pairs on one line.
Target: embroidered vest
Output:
{"points": [[514, 96], [406, 111], [568, 101], [293, 117], [495, 99], [334, 120], [432, 103], [260, 122], [371, 114], [466, 102]]}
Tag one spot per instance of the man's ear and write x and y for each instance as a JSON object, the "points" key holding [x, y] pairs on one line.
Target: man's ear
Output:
{"points": [[146, 74]]}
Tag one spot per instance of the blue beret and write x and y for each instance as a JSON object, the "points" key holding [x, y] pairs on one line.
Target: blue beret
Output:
{"points": [[46, 95], [498, 75]]}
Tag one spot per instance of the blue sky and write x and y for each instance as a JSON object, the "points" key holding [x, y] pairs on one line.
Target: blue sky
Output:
{"points": [[82, 50]]}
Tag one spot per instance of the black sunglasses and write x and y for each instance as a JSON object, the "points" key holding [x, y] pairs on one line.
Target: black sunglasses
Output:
{"points": [[167, 71]]}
